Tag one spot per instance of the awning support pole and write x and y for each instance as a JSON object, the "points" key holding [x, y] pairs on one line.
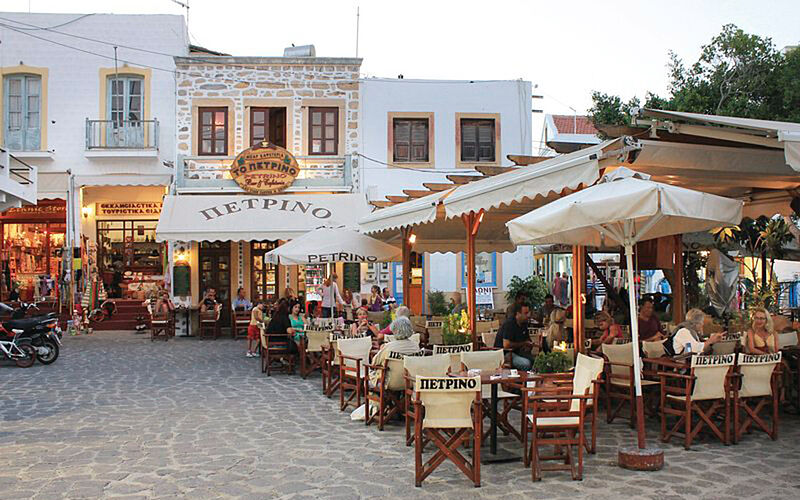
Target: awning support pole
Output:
{"points": [[578, 307], [678, 303], [406, 280], [472, 222]]}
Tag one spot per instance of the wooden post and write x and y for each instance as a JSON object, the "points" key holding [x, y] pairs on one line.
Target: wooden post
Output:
{"points": [[472, 222], [678, 295], [406, 280], [578, 283]]}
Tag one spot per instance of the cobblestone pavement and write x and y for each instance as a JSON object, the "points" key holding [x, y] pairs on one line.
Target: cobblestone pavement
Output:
{"points": [[118, 416]]}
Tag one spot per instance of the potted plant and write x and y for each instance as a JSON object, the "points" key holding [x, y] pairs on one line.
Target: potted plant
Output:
{"points": [[437, 304], [551, 362], [532, 287], [455, 329]]}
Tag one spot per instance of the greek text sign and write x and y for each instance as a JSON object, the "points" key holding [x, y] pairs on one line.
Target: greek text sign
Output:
{"points": [[264, 169], [129, 208]]}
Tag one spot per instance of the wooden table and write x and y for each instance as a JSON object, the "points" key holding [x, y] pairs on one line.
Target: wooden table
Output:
{"points": [[494, 379]]}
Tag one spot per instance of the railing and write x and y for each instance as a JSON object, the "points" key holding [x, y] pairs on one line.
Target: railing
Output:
{"points": [[125, 134], [199, 174], [18, 179]]}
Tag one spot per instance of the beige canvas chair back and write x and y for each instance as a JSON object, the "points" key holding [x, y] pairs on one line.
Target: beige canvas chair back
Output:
{"points": [[416, 338], [334, 340], [756, 370], [483, 360], [447, 400], [587, 369], [434, 329], [710, 372], [355, 348], [315, 339], [426, 366], [486, 326], [418, 322], [375, 316], [724, 347], [489, 338], [653, 349], [454, 351], [394, 374], [621, 354], [787, 339]]}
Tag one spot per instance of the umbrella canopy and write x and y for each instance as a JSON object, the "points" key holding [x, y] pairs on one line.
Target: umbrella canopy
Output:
{"points": [[625, 207], [327, 245]]}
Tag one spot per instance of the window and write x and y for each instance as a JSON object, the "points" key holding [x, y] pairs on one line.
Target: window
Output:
{"points": [[23, 108], [268, 124], [265, 275], [125, 110], [213, 131], [485, 269], [324, 136], [410, 139], [129, 245], [477, 140]]}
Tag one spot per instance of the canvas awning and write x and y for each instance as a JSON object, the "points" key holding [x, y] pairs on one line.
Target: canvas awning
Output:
{"points": [[766, 133], [255, 218], [52, 185]]}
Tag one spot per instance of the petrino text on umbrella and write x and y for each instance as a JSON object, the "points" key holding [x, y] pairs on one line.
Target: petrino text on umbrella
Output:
{"points": [[340, 257]]}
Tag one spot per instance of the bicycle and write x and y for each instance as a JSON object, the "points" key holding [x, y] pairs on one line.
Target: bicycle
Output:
{"points": [[23, 354]]}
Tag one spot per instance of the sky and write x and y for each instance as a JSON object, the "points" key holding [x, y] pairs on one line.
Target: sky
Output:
{"points": [[566, 49]]}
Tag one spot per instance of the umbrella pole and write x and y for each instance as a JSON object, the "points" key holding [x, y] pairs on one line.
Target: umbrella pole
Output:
{"points": [[637, 363]]}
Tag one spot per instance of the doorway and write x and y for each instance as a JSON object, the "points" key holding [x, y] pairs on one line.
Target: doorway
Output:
{"points": [[215, 272], [265, 274]]}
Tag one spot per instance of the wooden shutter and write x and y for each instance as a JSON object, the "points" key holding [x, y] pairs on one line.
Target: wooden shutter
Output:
{"points": [[259, 125], [419, 140], [486, 140], [277, 126], [410, 138], [477, 140], [14, 113], [402, 140], [324, 136], [213, 131]]}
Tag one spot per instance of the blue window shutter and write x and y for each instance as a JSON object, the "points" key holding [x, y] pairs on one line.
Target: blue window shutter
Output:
{"points": [[13, 112]]}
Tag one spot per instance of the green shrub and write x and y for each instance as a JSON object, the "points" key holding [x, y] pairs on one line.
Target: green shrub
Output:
{"points": [[552, 362], [533, 287], [437, 303]]}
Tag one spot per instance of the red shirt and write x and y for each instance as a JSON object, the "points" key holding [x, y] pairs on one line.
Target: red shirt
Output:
{"points": [[649, 328]]}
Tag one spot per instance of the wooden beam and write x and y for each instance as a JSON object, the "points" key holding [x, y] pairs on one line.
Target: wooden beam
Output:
{"points": [[471, 223], [417, 193], [578, 295], [491, 170], [397, 199], [381, 203], [523, 160], [463, 179], [406, 278], [438, 186], [678, 302]]}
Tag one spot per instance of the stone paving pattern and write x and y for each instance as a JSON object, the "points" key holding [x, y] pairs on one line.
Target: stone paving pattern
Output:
{"points": [[118, 416]]}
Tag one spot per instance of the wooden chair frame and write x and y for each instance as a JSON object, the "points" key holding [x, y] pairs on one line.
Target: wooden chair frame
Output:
{"points": [[160, 325], [240, 321], [390, 403], [508, 403], [683, 407], [747, 411], [624, 391], [310, 360], [447, 444], [353, 379], [275, 348], [209, 323], [555, 402]]}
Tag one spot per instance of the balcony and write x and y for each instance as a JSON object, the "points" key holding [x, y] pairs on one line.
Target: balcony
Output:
{"points": [[18, 181], [198, 174], [114, 138]]}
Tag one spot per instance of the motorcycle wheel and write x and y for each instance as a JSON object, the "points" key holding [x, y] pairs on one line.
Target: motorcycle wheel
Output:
{"points": [[30, 357], [52, 353]]}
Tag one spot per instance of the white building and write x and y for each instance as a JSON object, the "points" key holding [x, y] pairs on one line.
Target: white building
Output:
{"points": [[73, 103], [420, 131]]}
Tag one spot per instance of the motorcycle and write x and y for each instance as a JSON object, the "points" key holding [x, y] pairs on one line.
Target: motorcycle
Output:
{"points": [[41, 332]]}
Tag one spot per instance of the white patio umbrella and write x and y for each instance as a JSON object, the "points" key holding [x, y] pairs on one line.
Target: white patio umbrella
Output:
{"points": [[327, 245], [623, 208]]}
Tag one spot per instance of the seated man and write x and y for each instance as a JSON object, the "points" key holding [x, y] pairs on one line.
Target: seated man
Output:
{"points": [[513, 334], [209, 301]]}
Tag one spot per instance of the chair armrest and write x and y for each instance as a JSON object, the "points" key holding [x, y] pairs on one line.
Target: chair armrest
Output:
{"points": [[560, 397], [675, 375]]}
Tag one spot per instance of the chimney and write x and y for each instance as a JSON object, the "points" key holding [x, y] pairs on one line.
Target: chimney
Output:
{"points": [[300, 51]]}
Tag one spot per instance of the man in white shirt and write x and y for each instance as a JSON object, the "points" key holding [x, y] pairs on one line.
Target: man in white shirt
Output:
{"points": [[330, 296], [689, 334]]}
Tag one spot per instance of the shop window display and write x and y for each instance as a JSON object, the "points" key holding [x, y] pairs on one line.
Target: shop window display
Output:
{"points": [[129, 245], [32, 258]]}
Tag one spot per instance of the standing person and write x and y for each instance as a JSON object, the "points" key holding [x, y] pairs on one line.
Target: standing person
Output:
{"points": [[240, 303], [289, 295], [254, 329], [650, 328], [350, 304], [556, 288], [513, 334], [564, 290], [375, 299], [330, 296], [761, 338], [388, 301]]}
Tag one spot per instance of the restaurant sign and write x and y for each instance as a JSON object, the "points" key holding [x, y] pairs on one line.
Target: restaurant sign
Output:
{"points": [[129, 208], [264, 169]]}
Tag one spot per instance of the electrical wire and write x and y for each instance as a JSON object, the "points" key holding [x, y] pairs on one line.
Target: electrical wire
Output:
{"points": [[48, 28]]}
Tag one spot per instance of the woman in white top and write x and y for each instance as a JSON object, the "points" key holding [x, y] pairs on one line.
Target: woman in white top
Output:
{"points": [[689, 333], [402, 344]]}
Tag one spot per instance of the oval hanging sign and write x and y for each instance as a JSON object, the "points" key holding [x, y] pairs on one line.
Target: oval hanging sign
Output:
{"points": [[264, 169]]}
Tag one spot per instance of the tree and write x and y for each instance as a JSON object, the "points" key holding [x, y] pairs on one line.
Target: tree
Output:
{"points": [[737, 74]]}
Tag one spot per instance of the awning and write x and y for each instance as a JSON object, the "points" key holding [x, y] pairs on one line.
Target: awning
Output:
{"points": [[410, 213], [52, 185], [565, 172], [254, 218], [132, 175], [784, 135]]}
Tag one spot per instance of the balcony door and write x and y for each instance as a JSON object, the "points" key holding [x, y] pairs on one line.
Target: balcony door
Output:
{"points": [[22, 112], [125, 106], [215, 272], [268, 124]]}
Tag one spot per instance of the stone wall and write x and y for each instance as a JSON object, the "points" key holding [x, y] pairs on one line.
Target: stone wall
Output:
{"points": [[302, 81]]}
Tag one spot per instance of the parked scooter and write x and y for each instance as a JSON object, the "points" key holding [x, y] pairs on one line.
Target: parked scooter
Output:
{"points": [[42, 332]]}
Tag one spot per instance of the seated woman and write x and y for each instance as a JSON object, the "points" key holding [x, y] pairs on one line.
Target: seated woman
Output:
{"points": [[611, 330], [362, 326], [556, 332], [375, 299], [298, 321], [761, 337], [281, 325], [402, 344]]}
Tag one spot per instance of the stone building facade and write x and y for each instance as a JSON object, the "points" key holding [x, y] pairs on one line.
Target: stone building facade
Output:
{"points": [[294, 84]]}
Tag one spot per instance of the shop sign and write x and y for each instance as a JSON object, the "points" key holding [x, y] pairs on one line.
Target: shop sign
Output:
{"points": [[484, 295], [36, 211], [264, 169], [129, 208]]}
